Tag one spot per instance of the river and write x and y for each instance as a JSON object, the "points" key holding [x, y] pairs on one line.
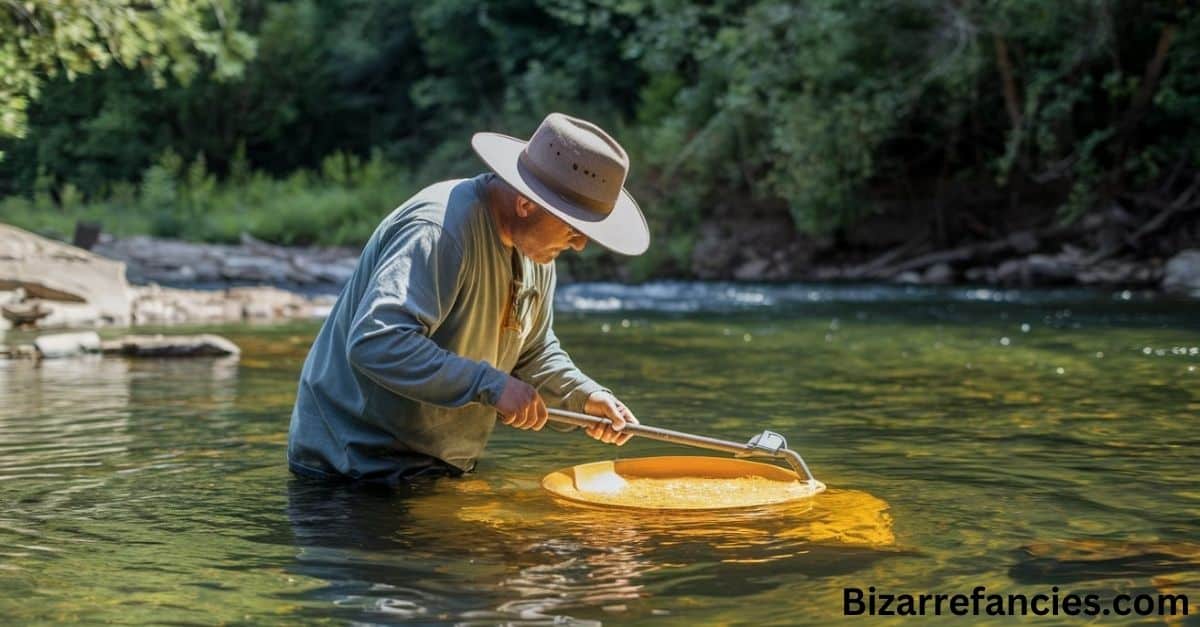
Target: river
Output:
{"points": [[1023, 441]]}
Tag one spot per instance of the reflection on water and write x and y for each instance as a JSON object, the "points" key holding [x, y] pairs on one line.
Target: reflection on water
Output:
{"points": [[1014, 441], [542, 561]]}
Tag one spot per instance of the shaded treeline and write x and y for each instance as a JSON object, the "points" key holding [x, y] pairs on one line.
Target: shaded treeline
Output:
{"points": [[967, 119]]}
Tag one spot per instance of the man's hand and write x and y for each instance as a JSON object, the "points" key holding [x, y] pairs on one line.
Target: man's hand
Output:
{"points": [[604, 404], [520, 406]]}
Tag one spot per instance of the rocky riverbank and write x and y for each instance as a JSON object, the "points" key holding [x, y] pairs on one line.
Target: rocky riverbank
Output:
{"points": [[252, 262], [46, 284], [1104, 250], [1099, 252]]}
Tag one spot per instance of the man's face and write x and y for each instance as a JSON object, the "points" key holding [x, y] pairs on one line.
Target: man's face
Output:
{"points": [[541, 236]]}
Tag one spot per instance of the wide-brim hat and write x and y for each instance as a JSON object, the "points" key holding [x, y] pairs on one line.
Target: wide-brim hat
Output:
{"points": [[576, 171]]}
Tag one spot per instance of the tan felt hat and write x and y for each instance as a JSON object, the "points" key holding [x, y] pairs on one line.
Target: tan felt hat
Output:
{"points": [[576, 171]]}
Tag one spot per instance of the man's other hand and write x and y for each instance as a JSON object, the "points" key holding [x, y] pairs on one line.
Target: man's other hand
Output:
{"points": [[604, 404], [521, 406]]}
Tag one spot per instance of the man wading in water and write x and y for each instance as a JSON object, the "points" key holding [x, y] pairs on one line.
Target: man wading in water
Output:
{"points": [[452, 293]]}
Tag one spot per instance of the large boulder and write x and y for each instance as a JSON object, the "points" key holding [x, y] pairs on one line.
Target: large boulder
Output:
{"points": [[53, 271], [172, 262], [1182, 274]]}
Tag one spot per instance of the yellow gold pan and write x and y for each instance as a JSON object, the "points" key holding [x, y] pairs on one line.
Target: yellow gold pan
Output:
{"points": [[685, 482], [678, 483]]}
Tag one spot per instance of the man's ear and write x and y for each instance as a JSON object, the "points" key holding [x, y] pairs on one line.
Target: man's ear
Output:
{"points": [[525, 207]]}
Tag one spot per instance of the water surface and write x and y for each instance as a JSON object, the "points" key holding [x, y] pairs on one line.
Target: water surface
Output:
{"points": [[1018, 440]]}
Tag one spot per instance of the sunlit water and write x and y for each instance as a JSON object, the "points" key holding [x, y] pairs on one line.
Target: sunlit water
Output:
{"points": [[1014, 440]]}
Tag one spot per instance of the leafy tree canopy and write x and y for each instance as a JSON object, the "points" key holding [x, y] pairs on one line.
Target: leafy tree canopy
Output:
{"points": [[45, 38]]}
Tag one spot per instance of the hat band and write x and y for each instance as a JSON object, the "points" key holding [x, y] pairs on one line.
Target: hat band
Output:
{"points": [[547, 179]]}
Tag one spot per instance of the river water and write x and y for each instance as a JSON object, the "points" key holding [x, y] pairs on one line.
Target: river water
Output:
{"points": [[1022, 441]]}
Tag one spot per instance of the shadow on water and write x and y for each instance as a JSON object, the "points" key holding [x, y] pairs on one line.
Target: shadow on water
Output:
{"points": [[1075, 561], [353, 537]]}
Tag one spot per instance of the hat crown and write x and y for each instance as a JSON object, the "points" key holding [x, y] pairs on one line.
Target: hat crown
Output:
{"points": [[577, 160]]}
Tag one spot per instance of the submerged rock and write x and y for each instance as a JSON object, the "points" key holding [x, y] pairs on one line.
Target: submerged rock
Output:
{"points": [[206, 345], [61, 345]]}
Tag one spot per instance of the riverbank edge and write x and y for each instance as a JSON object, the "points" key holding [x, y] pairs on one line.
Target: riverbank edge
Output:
{"points": [[1100, 252], [161, 282]]}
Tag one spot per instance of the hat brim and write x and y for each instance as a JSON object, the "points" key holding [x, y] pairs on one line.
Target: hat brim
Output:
{"points": [[623, 231]]}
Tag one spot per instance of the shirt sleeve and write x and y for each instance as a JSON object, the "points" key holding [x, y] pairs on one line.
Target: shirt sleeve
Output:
{"points": [[546, 366], [412, 289]]}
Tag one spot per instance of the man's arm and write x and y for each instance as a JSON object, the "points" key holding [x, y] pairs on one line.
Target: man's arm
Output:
{"points": [[412, 290], [546, 366]]}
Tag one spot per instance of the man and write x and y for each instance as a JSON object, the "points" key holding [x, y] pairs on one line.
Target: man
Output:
{"points": [[447, 323]]}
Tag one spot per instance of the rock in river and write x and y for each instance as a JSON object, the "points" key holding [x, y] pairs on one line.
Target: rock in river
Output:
{"points": [[67, 344], [206, 345], [1182, 273]]}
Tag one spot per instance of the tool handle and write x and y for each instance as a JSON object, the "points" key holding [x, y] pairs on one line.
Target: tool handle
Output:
{"points": [[646, 431], [679, 437]]}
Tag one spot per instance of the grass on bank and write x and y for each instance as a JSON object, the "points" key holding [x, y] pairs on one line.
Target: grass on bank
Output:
{"points": [[340, 204]]}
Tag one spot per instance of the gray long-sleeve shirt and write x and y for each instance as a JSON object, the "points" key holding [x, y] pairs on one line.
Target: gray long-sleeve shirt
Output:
{"points": [[408, 366]]}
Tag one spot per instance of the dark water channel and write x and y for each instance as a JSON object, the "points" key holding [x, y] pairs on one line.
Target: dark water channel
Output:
{"points": [[1019, 441]]}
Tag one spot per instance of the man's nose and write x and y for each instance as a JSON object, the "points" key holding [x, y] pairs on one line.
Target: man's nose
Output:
{"points": [[578, 241]]}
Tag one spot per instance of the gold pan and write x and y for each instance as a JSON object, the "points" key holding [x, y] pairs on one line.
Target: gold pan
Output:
{"points": [[680, 483]]}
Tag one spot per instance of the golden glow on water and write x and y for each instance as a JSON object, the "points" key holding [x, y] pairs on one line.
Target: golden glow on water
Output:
{"points": [[846, 518]]}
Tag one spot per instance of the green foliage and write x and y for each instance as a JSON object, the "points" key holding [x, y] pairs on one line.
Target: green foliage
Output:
{"points": [[164, 37], [340, 206], [826, 110]]}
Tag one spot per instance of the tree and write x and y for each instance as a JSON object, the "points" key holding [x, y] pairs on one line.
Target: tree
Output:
{"points": [[44, 38]]}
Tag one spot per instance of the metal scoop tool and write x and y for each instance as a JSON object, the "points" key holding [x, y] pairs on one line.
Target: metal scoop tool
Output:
{"points": [[765, 444]]}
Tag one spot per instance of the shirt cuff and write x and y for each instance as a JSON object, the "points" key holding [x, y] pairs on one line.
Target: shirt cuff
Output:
{"points": [[491, 385], [576, 401]]}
